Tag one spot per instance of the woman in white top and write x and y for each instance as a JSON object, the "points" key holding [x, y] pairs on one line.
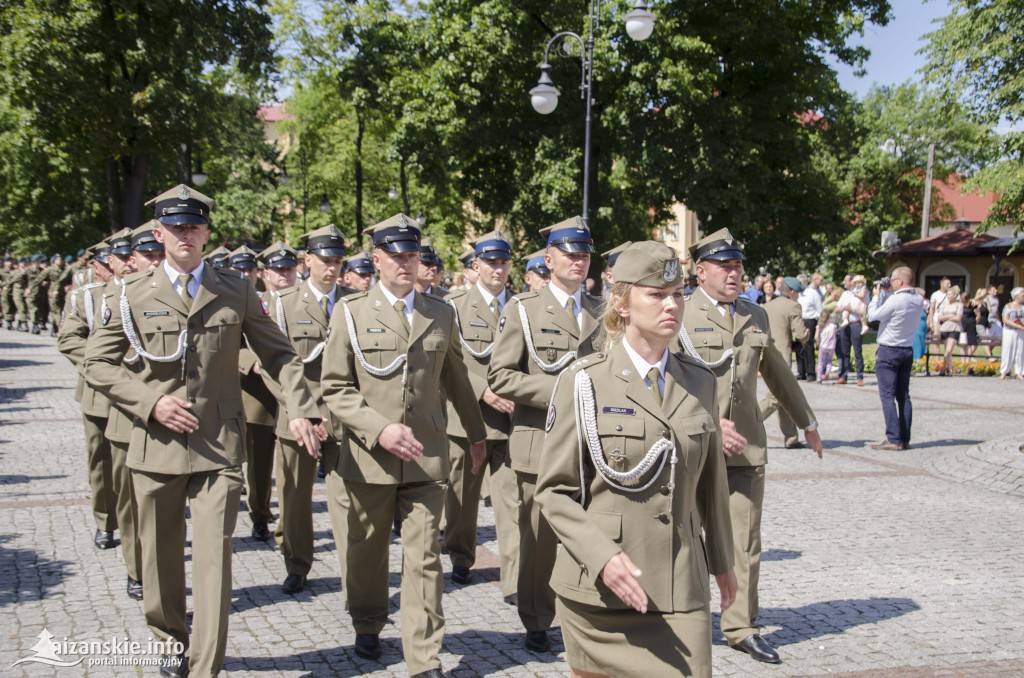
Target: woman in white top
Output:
{"points": [[950, 316], [1012, 353]]}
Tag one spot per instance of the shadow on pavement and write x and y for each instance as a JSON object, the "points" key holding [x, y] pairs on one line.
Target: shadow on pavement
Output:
{"points": [[18, 480], [337, 661], [509, 651], [26, 575], [831, 617], [780, 554], [12, 363]]}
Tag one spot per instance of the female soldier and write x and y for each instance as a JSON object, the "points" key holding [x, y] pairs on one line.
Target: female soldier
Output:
{"points": [[632, 471]]}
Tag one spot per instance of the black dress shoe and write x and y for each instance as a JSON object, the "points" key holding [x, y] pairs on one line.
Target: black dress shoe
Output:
{"points": [[260, 531], [796, 445], [460, 574], [368, 645], [174, 666], [294, 583], [538, 641], [134, 589], [432, 673], [758, 648], [104, 540]]}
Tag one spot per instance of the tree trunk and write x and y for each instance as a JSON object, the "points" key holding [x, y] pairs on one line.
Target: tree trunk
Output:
{"points": [[403, 182], [360, 129], [133, 196], [113, 195]]}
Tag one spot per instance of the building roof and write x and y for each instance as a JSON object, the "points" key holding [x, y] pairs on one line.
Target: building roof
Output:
{"points": [[274, 113], [971, 207], [957, 243]]}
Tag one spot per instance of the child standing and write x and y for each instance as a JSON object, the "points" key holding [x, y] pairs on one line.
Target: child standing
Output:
{"points": [[825, 336]]}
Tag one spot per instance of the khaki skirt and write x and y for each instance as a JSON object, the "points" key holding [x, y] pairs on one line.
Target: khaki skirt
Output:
{"points": [[622, 643]]}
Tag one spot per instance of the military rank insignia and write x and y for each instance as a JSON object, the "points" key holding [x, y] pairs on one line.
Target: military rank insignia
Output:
{"points": [[106, 315], [551, 418], [266, 309], [501, 325]]}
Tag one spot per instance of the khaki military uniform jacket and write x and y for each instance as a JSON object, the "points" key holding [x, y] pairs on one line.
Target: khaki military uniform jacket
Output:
{"points": [[479, 329], [306, 326], [786, 324], [74, 334], [206, 376], [258, 403], [751, 341], [365, 404], [658, 528], [516, 376]]}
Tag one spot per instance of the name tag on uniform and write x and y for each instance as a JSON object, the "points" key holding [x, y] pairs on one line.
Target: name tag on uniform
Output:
{"points": [[547, 330], [756, 330], [476, 324], [704, 329], [375, 330], [151, 314], [619, 410], [303, 322]]}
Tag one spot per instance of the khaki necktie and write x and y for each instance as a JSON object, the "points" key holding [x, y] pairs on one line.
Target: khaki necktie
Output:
{"points": [[324, 301], [652, 376], [186, 296], [570, 306], [400, 307], [494, 307], [727, 316]]}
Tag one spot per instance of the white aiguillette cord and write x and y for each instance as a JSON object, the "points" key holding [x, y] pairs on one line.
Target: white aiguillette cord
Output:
{"points": [[466, 347], [400, 361]]}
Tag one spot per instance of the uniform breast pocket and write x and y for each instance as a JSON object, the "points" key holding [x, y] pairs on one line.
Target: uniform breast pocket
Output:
{"points": [[483, 335], [434, 346], [694, 437], [160, 333], [223, 330], [550, 346], [378, 349], [622, 441], [708, 344]]}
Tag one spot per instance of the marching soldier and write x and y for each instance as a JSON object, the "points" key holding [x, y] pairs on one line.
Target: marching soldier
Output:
{"points": [[611, 256], [18, 281], [120, 423], [186, 320], [7, 293], [303, 313], [538, 275], [732, 337], [58, 276], [477, 313], [471, 275], [429, 272], [538, 335], [79, 323], [218, 258], [786, 323], [35, 293], [389, 353], [357, 273], [260, 407]]}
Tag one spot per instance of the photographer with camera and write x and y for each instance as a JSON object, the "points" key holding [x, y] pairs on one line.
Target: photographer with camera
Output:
{"points": [[897, 308]]}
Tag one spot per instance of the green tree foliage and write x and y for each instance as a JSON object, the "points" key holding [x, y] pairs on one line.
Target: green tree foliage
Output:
{"points": [[879, 165], [978, 54], [113, 89]]}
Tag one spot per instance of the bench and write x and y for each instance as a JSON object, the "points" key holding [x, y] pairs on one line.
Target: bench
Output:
{"points": [[958, 351]]}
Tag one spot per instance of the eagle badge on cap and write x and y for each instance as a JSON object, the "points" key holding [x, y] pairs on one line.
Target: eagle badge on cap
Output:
{"points": [[183, 193], [402, 223], [728, 241], [671, 270], [580, 224]]}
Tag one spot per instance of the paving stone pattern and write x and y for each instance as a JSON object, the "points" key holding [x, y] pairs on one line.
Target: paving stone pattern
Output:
{"points": [[875, 564]]}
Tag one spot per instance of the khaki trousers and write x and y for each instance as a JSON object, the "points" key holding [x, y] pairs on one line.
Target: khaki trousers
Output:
{"points": [[537, 549], [746, 497], [462, 502], [127, 510], [769, 405], [505, 500], [212, 499], [339, 505], [369, 530], [101, 473], [296, 474], [259, 456]]}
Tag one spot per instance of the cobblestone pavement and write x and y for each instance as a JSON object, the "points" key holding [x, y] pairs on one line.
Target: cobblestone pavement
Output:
{"points": [[875, 564]]}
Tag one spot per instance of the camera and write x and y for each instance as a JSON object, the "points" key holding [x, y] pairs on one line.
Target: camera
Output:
{"points": [[884, 283]]}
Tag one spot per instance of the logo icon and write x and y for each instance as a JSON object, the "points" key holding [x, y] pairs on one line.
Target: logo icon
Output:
{"points": [[46, 653], [671, 270], [183, 193]]}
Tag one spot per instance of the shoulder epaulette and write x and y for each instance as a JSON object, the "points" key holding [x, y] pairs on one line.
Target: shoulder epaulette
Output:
{"points": [[592, 359], [431, 295], [742, 298], [353, 297], [288, 292], [457, 294], [132, 277], [92, 286], [689, 360], [522, 296]]}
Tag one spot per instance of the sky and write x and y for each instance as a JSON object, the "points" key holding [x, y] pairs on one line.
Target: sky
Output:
{"points": [[893, 47]]}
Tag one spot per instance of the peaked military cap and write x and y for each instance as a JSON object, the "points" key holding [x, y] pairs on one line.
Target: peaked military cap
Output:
{"points": [[537, 263], [571, 235], [650, 264], [395, 235], [144, 240], [612, 255], [325, 242], [361, 263], [242, 258], [218, 258], [720, 246], [99, 252], [493, 245], [121, 242], [428, 255], [181, 205], [279, 255], [468, 257]]}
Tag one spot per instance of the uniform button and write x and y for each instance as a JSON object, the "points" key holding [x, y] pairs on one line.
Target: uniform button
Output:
{"points": [[192, 348], [192, 399], [664, 490], [409, 407], [193, 374], [376, 343], [618, 427], [551, 342], [664, 434], [191, 326], [662, 518]]}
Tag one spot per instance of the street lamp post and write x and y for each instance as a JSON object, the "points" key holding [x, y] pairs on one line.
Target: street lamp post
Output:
{"points": [[544, 97]]}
